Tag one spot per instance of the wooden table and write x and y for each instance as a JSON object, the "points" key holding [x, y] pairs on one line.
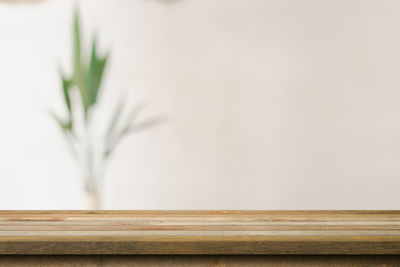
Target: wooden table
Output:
{"points": [[200, 238]]}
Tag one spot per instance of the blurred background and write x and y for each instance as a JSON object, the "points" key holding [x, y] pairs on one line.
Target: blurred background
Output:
{"points": [[270, 104]]}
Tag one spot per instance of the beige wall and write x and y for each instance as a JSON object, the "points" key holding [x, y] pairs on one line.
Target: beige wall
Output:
{"points": [[271, 104]]}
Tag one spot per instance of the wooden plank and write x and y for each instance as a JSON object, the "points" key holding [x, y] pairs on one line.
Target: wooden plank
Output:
{"points": [[200, 232], [200, 260]]}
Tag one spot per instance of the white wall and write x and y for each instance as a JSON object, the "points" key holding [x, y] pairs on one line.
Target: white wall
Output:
{"points": [[280, 104]]}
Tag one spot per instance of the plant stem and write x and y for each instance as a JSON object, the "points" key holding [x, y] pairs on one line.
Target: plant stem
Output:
{"points": [[91, 186]]}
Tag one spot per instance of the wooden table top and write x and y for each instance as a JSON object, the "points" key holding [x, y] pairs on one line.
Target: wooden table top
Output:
{"points": [[200, 232]]}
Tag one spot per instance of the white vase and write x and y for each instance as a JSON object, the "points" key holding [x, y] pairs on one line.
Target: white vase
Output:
{"points": [[93, 201]]}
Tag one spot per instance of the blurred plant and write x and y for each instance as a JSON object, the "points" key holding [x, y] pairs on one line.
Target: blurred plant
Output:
{"points": [[87, 79]]}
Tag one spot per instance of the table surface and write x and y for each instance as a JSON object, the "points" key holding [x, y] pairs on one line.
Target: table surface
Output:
{"points": [[200, 232]]}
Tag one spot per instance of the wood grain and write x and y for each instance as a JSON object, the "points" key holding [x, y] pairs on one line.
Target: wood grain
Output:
{"points": [[200, 260], [200, 232]]}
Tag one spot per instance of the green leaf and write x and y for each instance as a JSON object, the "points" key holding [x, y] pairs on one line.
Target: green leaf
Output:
{"points": [[95, 74], [78, 75], [144, 125], [77, 46], [99, 71], [114, 119], [66, 84], [113, 139], [66, 126], [131, 128]]}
